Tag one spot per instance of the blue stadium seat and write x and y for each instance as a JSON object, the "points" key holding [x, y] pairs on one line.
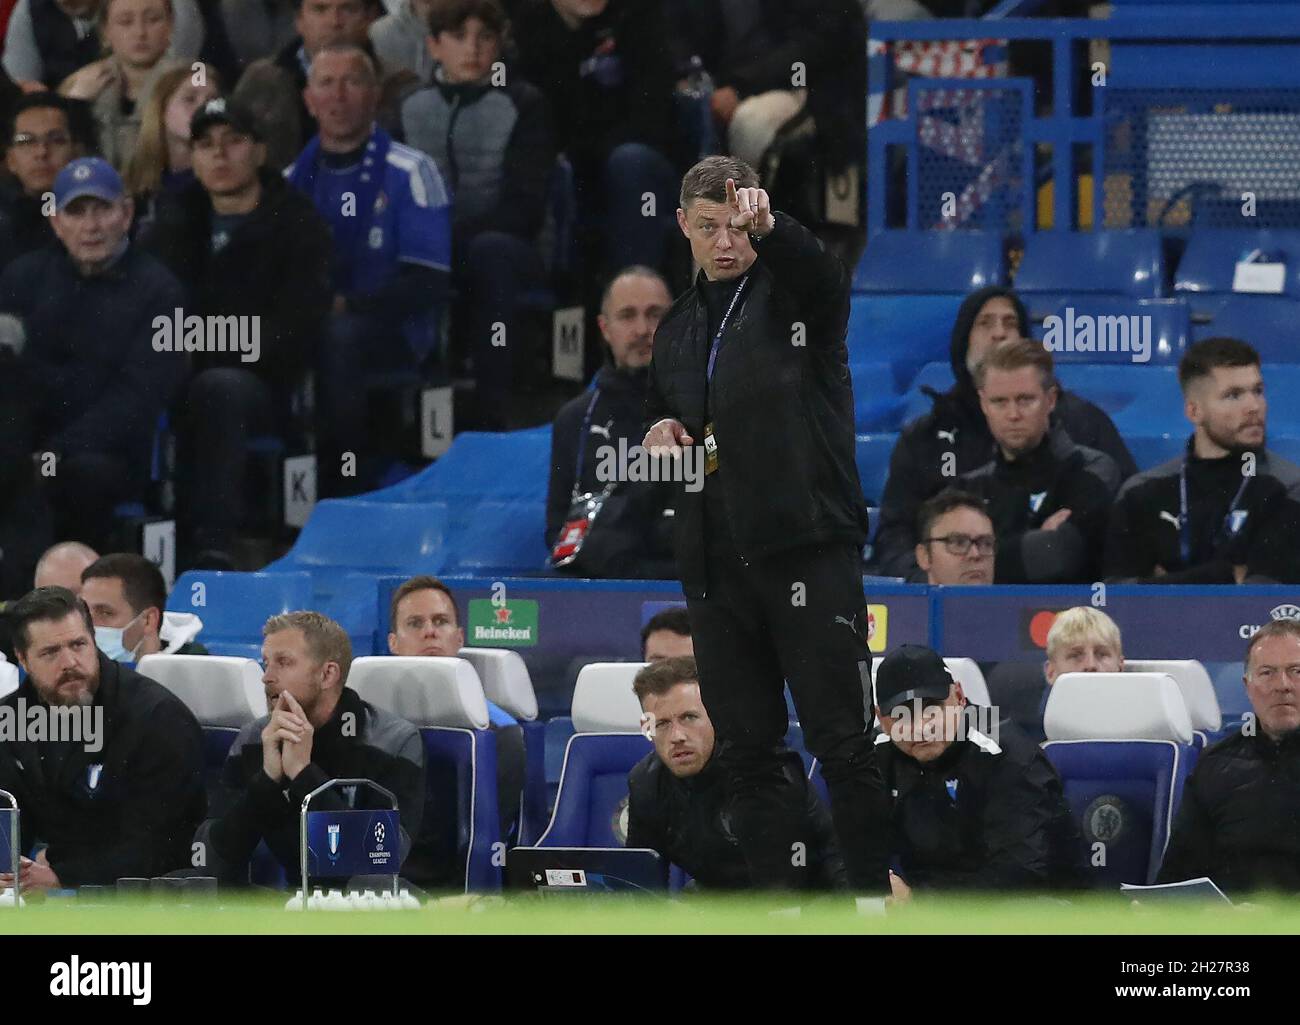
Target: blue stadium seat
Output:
{"points": [[873, 452], [593, 789], [1144, 400], [952, 262], [502, 538], [1058, 265], [1167, 336], [1150, 450], [444, 699], [907, 331], [235, 605], [472, 469], [1268, 322], [1125, 794], [558, 731]]}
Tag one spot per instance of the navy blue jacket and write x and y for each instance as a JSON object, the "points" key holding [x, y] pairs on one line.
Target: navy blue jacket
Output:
{"points": [[96, 382]]}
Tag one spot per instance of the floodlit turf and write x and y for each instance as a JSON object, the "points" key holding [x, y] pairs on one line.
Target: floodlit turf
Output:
{"points": [[243, 914]]}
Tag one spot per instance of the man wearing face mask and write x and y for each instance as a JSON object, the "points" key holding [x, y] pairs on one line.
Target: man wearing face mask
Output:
{"points": [[128, 598], [953, 438], [124, 799], [971, 811]]}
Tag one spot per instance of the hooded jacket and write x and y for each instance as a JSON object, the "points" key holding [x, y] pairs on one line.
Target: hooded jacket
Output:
{"points": [[956, 425]]}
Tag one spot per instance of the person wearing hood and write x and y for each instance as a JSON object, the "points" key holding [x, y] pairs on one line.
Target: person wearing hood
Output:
{"points": [[633, 535], [127, 597], [245, 245], [954, 438], [493, 142], [399, 38]]}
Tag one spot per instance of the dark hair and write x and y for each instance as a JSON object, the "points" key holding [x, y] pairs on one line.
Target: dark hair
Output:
{"points": [[142, 581], [678, 620], [1273, 628], [44, 604], [41, 101], [420, 583], [708, 180], [1016, 354], [660, 677], [452, 14], [1201, 359], [945, 502]]}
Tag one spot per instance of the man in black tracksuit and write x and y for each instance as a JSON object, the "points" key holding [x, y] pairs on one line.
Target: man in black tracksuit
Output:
{"points": [[677, 794], [971, 811], [769, 549], [1239, 820], [1227, 509], [631, 537], [124, 798], [953, 438], [317, 730], [1048, 497]]}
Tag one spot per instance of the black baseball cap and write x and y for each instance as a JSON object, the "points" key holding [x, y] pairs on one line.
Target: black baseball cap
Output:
{"points": [[909, 672], [222, 111]]}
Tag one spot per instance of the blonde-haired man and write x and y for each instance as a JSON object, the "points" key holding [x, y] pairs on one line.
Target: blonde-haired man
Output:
{"points": [[1081, 640], [315, 729]]}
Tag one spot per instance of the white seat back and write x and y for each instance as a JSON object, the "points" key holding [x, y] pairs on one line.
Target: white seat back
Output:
{"points": [[966, 671], [220, 690], [603, 699], [1117, 706], [1195, 684], [505, 680], [423, 690], [8, 678]]}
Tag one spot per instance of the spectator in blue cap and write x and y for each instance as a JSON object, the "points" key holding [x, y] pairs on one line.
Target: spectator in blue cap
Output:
{"points": [[80, 318]]}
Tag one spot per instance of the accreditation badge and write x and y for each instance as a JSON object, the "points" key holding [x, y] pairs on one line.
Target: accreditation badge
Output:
{"points": [[710, 450]]}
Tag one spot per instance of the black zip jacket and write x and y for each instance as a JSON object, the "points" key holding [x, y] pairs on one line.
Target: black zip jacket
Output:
{"points": [[781, 404], [23, 227], [982, 816], [127, 809], [686, 821], [632, 535], [955, 431], [275, 266], [1144, 523], [250, 807], [1239, 820], [1022, 494]]}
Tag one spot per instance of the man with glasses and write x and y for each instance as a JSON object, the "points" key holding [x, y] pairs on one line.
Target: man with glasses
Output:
{"points": [[957, 542], [41, 143], [1047, 496]]}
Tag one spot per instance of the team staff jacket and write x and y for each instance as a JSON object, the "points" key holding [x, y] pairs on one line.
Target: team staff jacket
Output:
{"points": [[1239, 820], [781, 404], [127, 809], [1023, 493], [686, 821], [359, 741], [984, 815], [1145, 529]]}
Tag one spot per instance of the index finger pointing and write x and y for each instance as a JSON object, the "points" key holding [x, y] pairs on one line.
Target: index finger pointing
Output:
{"points": [[731, 191]]}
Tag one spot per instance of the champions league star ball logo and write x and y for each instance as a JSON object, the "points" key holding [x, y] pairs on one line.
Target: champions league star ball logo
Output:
{"points": [[379, 836]]}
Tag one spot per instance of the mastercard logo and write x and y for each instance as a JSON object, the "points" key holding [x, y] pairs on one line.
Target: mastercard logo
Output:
{"points": [[1034, 627]]}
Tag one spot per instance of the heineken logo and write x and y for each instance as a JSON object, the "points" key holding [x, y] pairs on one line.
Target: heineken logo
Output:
{"points": [[512, 624]]}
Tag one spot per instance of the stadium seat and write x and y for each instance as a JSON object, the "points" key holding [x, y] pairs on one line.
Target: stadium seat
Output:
{"points": [[1117, 706], [502, 538], [8, 679], [873, 452], [1193, 682], [234, 606], [967, 672], [907, 331], [225, 694], [1059, 265], [1141, 400], [603, 700], [1281, 385], [952, 262], [444, 699], [1125, 794], [506, 683], [1268, 322], [1150, 450], [472, 470]]}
